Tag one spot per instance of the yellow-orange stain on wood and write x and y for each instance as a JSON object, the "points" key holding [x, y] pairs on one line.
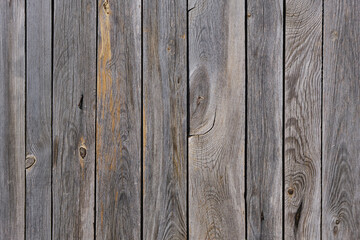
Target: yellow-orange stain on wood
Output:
{"points": [[183, 36], [116, 196], [104, 75], [102, 215]]}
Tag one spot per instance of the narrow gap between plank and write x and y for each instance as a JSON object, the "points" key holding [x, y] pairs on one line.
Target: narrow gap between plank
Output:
{"points": [[25, 115], [188, 120], [96, 108], [321, 125], [52, 112], [246, 119], [283, 122], [142, 126]]}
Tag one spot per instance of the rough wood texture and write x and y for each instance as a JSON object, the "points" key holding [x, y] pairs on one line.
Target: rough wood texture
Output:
{"points": [[264, 119], [12, 119], [341, 120], [164, 119], [118, 127], [38, 120], [217, 119], [74, 84], [303, 58]]}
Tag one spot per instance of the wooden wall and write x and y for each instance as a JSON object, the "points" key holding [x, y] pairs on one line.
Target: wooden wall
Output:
{"points": [[187, 119]]}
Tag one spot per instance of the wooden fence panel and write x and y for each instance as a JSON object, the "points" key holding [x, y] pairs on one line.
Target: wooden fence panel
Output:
{"points": [[118, 143], [303, 59], [341, 120], [12, 119], [38, 119], [74, 98], [264, 162], [164, 119], [217, 119]]}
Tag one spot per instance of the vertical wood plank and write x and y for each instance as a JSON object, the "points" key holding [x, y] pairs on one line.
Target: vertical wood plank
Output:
{"points": [[38, 120], [341, 120], [303, 58], [74, 84], [164, 119], [217, 119], [264, 119], [12, 119], [118, 144]]}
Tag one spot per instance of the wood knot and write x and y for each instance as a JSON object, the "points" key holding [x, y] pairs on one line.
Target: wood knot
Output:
{"points": [[335, 230], [290, 191], [106, 7], [82, 151], [29, 161], [337, 221]]}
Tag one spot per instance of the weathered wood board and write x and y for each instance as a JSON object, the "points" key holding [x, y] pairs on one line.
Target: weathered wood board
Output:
{"points": [[341, 120], [118, 143], [38, 119], [164, 119], [217, 119], [303, 59], [74, 103], [12, 119], [264, 160], [188, 119]]}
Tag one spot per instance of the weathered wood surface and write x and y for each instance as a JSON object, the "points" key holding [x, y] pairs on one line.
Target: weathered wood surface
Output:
{"points": [[12, 119], [264, 160], [303, 59], [74, 99], [198, 119], [217, 119], [341, 120], [118, 144], [38, 119], [164, 119]]}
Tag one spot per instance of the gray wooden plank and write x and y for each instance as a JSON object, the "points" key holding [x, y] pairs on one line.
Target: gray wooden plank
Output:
{"points": [[217, 119], [12, 119], [118, 143], [264, 118], [303, 59], [341, 120], [38, 119], [74, 98], [164, 119]]}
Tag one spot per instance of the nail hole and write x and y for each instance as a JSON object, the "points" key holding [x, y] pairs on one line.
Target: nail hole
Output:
{"points": [[291, 191]]}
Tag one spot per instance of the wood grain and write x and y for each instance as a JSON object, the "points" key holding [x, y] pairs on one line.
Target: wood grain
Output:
{"points": [[217, 119], [38, 119], [118, 127], [264, 119], [341, 120], [164, 119], [74, 84], [303, 59], [12, 119]]}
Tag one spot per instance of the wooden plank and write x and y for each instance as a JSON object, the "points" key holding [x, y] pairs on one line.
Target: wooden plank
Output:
{"points": [[341, 120], [38, 120], [217, 119], [74, 84], [303, 59], [264, 119], [118, 144], [164, 119], [12, 119]]}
